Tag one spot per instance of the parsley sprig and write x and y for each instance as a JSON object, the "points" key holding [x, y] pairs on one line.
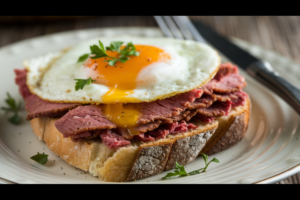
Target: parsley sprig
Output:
{"points": [[13, 107], [83, 82], [40, 158], [99, 52], [180, 171]]}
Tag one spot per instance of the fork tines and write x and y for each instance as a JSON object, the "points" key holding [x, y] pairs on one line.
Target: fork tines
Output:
{"points": [[179, 27]]}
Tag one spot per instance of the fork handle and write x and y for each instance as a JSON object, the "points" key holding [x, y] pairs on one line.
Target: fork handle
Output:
{"points": [[264, 73]]}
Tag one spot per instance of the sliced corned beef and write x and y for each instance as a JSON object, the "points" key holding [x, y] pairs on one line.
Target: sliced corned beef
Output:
{"points": [[217, 109], [229, 83], [143, 137], [166, 108], [143, 128], [180, 127], [159, 133], [146, 127], [113, 135], [185, 115], [172, 128], [180, 102], [225, 81], [177, 128], [204, 101], [225, 69], [224, 96], [37, 107], [113, 140], [205, 118], [240, 100], [139, 129], [79, 136], [208, 87], [21, 82], [83, 118], [191, 126], [234, 96]]}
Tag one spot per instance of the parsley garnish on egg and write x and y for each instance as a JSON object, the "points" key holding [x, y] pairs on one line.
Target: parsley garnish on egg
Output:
{"points": [[13, 107], [180, 170], [83, 82], [99, 52]]}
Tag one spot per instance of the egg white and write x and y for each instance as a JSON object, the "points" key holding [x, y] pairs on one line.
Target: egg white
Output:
{"points": [[192, 65]]}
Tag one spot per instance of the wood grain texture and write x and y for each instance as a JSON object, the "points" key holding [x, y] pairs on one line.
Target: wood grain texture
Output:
{"points": [[277, 33]]}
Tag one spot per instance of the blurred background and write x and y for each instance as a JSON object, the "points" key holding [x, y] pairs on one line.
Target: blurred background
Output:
{"points": [[276, 33]]}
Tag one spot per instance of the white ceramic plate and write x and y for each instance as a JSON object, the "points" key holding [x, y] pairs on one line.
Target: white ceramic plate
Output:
{"points": [[269, 152]]}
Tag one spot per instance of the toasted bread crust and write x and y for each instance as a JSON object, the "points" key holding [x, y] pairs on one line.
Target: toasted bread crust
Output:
{"points": [[231, 136], [185, 150], [150, 161], [230, 131], [155, 156], [144, 159]]}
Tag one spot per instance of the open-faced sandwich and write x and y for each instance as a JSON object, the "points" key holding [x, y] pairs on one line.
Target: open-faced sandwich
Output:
{"points": [[127, 108]]}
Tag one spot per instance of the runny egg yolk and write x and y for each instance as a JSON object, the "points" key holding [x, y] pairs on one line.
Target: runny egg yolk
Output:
{"points": [[121, 80]]}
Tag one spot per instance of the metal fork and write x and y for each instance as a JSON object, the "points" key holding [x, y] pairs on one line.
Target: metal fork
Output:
{"points": [[179, 27]]}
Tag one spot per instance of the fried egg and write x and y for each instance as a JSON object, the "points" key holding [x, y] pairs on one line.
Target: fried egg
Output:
{"points": [[164, 68]]}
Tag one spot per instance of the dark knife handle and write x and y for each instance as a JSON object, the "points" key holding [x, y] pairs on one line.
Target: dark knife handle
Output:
{"points": [[264, 73]]}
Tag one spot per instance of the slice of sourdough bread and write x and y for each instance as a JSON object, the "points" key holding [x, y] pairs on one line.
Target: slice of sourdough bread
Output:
{"points": [[143, 159]]}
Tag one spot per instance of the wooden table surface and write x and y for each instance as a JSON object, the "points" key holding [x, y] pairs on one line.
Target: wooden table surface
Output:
{"points": [[277, 33]]}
